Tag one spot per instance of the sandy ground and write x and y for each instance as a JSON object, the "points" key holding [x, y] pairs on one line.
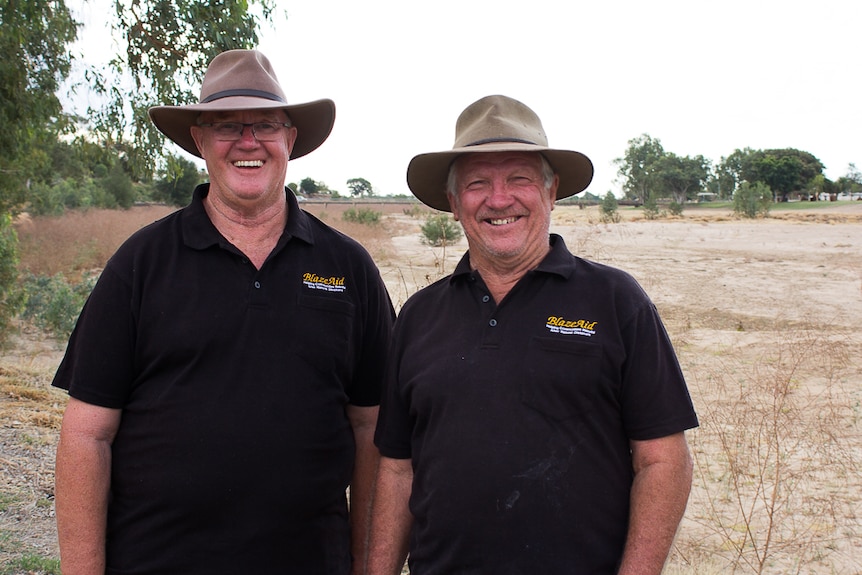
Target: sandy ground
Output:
{"points": [[766, 316]]}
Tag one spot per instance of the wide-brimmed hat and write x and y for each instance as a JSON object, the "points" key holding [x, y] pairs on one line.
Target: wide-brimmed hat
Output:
{"points": [[495, 124], [245, 80]]}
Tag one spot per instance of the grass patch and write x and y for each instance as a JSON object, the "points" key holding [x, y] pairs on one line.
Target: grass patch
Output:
{"points": [[31, 564]]}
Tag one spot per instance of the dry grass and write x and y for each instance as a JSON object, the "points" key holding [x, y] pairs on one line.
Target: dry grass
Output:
{"points": [[78, 241], [773, 365]]}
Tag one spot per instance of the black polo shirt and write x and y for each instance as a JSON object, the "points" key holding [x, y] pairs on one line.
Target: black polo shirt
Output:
{"points": [[518, 416], [234, 450]]}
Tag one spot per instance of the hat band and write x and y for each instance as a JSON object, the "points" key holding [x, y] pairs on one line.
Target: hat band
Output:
{"points": [[243, 92], [499, 140]]}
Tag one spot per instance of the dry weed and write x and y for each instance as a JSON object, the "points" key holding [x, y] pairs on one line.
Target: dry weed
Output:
{"points": [[79, 241], [777, 456]]}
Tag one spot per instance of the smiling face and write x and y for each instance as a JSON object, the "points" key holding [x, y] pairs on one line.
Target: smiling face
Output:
{"points": [[246, 174], [504, 206]]}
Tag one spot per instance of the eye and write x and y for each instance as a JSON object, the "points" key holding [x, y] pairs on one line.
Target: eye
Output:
{"points": [[227, 128], [474, 184], [266, 128]]}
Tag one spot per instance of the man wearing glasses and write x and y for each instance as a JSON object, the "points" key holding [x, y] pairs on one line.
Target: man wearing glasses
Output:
{"points": [[225, 373]]}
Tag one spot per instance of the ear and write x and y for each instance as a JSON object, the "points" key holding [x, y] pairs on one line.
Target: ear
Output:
{"points": [[291, 139], [552, 193], [197, 135], [453, 205]]}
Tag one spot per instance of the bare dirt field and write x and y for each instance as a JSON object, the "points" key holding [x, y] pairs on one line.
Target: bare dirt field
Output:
{"points": [[766, 316]]}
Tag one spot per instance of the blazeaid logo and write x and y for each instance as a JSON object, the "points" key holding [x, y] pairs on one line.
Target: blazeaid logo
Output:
{"points": [[331, 283], [559, 324]]}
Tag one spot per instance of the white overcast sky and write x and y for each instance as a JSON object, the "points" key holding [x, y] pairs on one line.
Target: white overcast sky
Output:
{"points": [[702, 77]]}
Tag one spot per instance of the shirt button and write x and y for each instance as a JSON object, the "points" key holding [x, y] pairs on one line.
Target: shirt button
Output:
{"points": [[486, 298], [492, 323], [257, 285]]}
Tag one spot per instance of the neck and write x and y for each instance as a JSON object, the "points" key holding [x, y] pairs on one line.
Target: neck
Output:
{"points": [[502, 274], [254, 231]]}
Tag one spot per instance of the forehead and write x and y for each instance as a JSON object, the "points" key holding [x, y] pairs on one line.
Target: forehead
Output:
{"points": [[246, 116], [506, 160]]}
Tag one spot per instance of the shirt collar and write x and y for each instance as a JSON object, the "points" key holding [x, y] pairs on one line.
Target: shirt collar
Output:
{"points": [[200, 233]]}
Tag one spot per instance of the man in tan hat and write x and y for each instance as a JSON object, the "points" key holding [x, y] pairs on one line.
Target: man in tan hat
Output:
{"points": [[534, 411], [225, 372]]}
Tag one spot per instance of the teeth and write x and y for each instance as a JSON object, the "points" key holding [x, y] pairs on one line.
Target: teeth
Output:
{"points": [[248, 164], [503, 221]]}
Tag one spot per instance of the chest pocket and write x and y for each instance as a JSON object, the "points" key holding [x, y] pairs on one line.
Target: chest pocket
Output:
{"points": [[326, 341], [564, 377]]}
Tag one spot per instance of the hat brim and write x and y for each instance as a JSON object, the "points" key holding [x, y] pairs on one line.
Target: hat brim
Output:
{"points": [[427, 173], [313, 120]]}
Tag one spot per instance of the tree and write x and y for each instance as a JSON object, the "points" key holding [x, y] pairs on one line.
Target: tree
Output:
{"points": [[784, 171], [178, 181], [850, 183], [637, 167], [33, 40], [308, 186], [360, 187], [167, 45], [682, 177]]}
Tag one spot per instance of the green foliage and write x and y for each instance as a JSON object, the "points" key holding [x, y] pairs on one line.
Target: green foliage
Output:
{"points": [[53, 304], [851, 182], [752, 200], [416, 211], [308, 186], [10, 296], [33, 39], [440, 230], [637, 167], [610, 208], [783, 170], [651, 209], [165, 47], [178, 181], [118, 185], [675, 208], [681, 177], [32, 564], [360, 187], [364, 216]]}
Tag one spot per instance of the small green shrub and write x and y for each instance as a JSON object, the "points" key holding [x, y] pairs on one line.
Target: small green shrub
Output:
{"points": [[675, 208], [53, 304], [610, 209], [752, 200], [651, 209], [440, 230], [365, 216], [415, 211]]}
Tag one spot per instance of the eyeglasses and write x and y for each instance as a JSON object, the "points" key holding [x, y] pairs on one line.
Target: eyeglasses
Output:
{"points": [[232, 131]]}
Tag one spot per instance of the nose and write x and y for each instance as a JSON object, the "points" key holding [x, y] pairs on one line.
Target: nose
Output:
{"points": [[499, 195], [247, 136]]}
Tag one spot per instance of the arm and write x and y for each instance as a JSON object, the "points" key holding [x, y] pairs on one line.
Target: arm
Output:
{"points": [[390, 518], [663, 471], [83, 480], [363, 421]]}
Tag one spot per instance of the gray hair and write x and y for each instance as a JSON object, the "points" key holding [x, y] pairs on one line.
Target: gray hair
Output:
{"points": [[452, 180]]}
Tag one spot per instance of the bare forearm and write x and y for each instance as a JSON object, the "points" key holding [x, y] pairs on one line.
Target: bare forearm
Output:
{"points": [[363, 421], [658, 499], [82, 485], [390, 518]]}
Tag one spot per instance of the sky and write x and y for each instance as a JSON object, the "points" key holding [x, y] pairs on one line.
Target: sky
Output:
{"points": [[704, 78]]}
